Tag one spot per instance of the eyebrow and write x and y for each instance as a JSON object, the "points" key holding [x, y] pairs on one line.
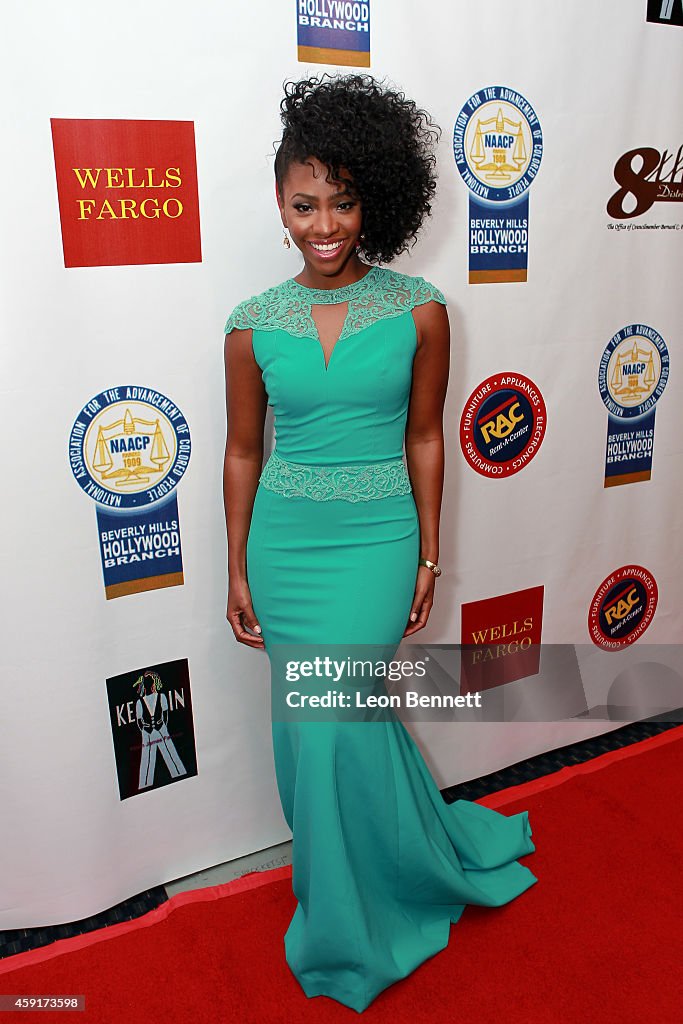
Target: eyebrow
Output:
{"points": [[303, 195]]}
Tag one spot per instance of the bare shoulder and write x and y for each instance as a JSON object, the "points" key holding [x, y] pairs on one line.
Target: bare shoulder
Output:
{"points": [[431, 314], [239, 357], [238, 338], [432, 324]]}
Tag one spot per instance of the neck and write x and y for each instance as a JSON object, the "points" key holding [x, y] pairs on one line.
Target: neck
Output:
{"points": [[352, 271]]}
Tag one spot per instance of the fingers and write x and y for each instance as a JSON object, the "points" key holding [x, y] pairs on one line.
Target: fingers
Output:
{"points": [[419, 623], [419, 615], [250, 620], [424, 595], [235, 617]]}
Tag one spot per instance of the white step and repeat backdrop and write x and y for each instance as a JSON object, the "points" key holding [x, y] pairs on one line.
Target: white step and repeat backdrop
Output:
{"points": [[138, 209]]}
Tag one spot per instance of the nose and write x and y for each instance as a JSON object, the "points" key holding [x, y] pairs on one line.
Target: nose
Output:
{"points": [[325, 223]]}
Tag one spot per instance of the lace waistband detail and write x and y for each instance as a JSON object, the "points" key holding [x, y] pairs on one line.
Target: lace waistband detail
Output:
{"points": [[327, 483]]}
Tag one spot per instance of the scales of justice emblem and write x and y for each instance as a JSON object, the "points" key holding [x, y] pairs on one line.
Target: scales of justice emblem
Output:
{"points": [[131, 452], [491, 140], [633, 374], [498, 146], [129, 447]]}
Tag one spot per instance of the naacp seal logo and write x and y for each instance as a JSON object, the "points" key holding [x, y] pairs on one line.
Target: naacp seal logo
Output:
{"points": [[129, 447], [498, 144], [634, 369]]}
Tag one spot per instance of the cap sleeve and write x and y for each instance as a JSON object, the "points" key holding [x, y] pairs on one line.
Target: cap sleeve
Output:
{"points": [[425, 291], [245, 315]]}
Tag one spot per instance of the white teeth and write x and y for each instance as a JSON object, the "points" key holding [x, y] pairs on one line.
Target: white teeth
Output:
{"points": [[328, 247]]}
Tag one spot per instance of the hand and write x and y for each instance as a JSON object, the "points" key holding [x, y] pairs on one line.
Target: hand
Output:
{"points": [[422, 601], [240, 614]]}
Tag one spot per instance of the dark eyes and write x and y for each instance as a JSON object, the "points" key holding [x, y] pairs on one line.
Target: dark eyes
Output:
{"points": [[305, 207]]}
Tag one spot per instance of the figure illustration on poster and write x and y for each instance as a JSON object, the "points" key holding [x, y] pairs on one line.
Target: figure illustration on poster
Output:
{"points": [[151, 715]]}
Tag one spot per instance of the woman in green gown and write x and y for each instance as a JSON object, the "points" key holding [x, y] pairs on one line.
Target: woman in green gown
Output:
{"points": [[335, 541]]}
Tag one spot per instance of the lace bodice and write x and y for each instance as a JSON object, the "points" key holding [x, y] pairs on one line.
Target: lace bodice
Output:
{"points": [[339, 424], [380, 294]]}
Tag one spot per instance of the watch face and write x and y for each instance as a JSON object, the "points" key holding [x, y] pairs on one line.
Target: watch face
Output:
{"points": [[437, 571]]}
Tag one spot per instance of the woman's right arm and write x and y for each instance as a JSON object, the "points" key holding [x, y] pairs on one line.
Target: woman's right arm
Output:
{"points": [[246, 401]]}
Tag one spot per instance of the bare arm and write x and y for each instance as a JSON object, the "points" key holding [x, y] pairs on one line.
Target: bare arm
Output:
{"points": [[425, 443], [246, 402]]}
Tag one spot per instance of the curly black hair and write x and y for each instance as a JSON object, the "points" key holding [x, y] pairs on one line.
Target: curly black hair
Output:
{"points": [[381, 138]]}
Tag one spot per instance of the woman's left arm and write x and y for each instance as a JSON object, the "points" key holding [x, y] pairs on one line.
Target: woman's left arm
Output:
{"points": [[425, 445]]}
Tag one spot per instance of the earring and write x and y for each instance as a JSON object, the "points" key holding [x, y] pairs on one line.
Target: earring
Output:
{"points": [[285, 240]]}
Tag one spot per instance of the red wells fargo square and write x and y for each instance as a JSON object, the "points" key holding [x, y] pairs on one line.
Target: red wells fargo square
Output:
{"points": [[127, 191], [500, 639]]}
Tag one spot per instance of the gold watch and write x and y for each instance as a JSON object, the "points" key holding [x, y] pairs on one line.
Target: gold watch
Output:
{"points": [[430, 565]]}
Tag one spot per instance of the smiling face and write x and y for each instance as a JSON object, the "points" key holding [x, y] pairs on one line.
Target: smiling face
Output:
{"points": [[324, 219]]}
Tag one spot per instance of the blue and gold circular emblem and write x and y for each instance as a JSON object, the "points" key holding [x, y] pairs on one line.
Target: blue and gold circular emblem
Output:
{"points": [[129, 447], [633, 372], [498, 144]]}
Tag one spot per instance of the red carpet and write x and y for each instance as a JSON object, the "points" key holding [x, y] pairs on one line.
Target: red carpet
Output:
{"points": [[597, 939]]}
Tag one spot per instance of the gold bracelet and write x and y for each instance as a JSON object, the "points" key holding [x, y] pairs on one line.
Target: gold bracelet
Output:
{"points": [[436, 569]]}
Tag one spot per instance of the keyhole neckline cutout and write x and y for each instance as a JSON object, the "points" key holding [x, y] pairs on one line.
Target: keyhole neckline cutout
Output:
{"points": [[327, 359], [330, 296]]}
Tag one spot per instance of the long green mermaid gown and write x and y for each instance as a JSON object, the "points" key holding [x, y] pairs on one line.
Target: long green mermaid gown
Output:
{"points": [[382, 866]]}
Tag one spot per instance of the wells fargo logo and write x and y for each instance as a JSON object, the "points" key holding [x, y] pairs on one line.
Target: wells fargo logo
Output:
{"points": [[500, 639], [502, 424], [127, 191], [622, 608], [646, 176]]}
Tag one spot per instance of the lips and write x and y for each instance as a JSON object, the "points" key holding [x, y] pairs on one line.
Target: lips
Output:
{"points": [[327, 250]]}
